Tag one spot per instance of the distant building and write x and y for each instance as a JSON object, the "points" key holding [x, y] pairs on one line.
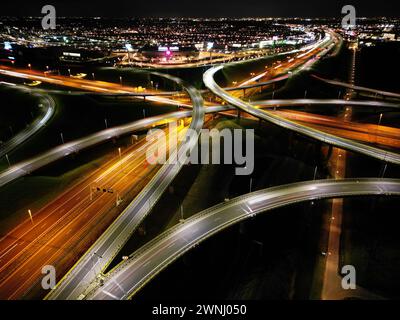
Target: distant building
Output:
{"points": [[389, 36], [168, 52], [81, 55]]}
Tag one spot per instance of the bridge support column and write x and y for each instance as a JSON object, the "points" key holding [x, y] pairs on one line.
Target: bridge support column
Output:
{"points": [[330, 149]]}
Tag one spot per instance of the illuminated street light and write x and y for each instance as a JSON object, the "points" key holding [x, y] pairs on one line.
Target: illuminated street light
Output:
{"points": [[380, 119], [8, 161], [30, 215], [29, 66]]}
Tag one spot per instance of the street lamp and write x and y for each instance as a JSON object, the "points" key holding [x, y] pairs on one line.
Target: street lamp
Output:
{"points": [[69, 72], [29, 66], [380, 119], [120, 160], [8, 161], [120, 80], [30, 215]]}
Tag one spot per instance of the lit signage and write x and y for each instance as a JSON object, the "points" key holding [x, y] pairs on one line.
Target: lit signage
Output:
{"points": [[71, 54], [7, 45], [266, 43]]}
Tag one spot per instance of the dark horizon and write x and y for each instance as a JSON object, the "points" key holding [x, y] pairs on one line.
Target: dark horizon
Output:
{"points": [[204, 9]]}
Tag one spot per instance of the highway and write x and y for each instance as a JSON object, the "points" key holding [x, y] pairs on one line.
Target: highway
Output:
{"points": [[85, 273], [80, 84], [64, 228], [130, 276], [344, 143], [365, 132], [358, 88], [30, 165], [47, 108], [337, 102], [26, 167]]}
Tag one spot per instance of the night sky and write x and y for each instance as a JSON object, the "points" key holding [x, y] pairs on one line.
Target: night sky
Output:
{"points": [[201, 8]]}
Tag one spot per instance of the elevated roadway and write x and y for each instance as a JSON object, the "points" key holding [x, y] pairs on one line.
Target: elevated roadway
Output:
{"points": [[130, 276]]}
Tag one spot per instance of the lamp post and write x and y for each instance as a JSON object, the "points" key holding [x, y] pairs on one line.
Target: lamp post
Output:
{"points": [[380, 119], [30, 215], [8, 161]]}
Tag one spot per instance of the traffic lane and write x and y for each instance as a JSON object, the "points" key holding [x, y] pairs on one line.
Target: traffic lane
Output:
{"points": [[141, 269], [59, 152], [108, 245], [114, 176], [60, 244], [290, 125], [27, 232]]}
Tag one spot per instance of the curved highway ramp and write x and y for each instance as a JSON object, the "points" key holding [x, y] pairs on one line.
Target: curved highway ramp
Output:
{"points": [[130, 276]]}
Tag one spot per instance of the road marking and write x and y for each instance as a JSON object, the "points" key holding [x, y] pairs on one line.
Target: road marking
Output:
{"points": [[9, 250], [110, 294], [119, 286]]}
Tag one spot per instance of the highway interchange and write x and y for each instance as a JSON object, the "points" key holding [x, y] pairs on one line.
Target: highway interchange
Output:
{"points": [[85, 280]]}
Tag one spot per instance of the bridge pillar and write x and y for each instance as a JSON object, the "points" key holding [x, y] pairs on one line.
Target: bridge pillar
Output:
{"points": [[330, 149]]}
